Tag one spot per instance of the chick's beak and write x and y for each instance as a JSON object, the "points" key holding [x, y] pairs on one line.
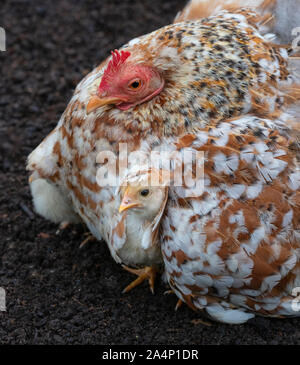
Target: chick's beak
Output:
{"points": [[96, 102], [128, 202]]}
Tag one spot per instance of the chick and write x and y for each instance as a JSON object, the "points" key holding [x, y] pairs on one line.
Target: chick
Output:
{"points": [[143, 205], [51, 203]]}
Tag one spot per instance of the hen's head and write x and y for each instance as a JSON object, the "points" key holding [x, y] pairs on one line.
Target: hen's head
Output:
{"points": [[126, 84]]}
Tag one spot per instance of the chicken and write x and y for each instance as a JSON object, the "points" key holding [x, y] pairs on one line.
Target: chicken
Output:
{"points": [[175, 81], [51, 203], [143, 205]]}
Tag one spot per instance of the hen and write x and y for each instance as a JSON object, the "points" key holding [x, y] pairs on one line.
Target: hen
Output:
{"points": [[179, 79]]}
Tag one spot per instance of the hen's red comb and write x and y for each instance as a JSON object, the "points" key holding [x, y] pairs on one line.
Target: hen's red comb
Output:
{"points": [[118, 58]]}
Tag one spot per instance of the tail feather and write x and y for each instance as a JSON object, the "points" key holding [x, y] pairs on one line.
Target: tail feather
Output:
{"points": [[197, 9], [277, 16]]}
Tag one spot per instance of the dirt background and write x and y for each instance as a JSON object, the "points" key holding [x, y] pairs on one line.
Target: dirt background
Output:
{"points": [[56, 293]]}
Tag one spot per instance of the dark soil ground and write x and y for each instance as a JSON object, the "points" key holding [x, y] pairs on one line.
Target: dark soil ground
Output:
{"points": [[56, 293]]}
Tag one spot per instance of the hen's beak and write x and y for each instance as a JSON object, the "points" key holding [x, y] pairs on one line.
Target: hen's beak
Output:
{"points": [[128, 202], [95, 102]]}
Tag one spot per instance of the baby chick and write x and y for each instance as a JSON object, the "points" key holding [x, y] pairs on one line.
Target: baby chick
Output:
{"points": [[143, 205]]}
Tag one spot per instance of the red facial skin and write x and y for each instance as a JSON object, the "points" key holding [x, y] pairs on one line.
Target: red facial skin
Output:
{"points": [[130, 83]]}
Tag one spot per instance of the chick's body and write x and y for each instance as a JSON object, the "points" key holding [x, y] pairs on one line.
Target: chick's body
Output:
{"points": [[132, 253]]}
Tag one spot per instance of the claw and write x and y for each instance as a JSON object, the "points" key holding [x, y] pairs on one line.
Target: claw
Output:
{"points": [[89, 238], [147, 273], [178, 304], [200, 321], [63, 225]]}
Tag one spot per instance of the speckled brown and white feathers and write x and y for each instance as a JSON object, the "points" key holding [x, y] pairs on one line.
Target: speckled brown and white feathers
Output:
{"points": [[280, 16], [198, 9], [214, 69], [235, 250]]}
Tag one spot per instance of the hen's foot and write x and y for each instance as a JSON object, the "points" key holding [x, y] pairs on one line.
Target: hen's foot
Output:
{"points": [[63, 225], [179, 301], [89, 238], [147, 273]]}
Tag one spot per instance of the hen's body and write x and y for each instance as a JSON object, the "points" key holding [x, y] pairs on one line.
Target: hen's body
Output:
{"points": [[238, 244], [214, 69]]}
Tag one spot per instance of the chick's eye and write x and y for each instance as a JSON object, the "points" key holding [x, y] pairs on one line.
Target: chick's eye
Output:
{"points": [[144, 192], [135, 85]]}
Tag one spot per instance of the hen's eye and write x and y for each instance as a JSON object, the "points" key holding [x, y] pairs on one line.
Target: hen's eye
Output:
{"points": [[145, 192], [136, 84]]}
